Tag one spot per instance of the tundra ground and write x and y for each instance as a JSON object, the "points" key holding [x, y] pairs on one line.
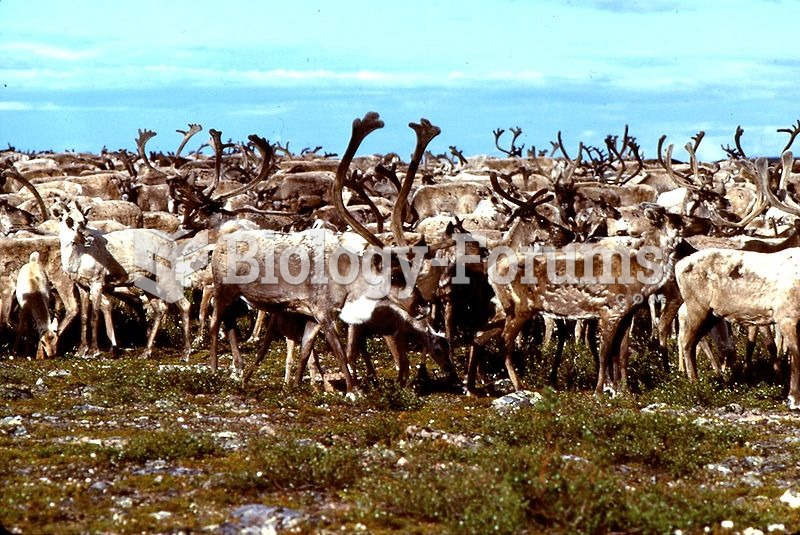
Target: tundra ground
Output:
{"points": [[128, 445]]}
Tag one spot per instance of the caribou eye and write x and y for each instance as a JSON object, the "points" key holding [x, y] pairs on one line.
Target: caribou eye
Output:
{"points": [[69, 221]]}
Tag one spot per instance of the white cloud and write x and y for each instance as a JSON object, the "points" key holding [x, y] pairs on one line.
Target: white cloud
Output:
{"points": [[11, 105], [15, 105], [46, 51], [261, 111]]}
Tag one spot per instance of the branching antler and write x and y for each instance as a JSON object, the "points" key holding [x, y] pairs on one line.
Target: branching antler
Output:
{"points": [[187, 135], [141, 141], [268, 165], [219, 147], [308, 151], [127, 162], [736, 153], [573, 165], [634, 149], [459, 155], [389, 174], [680, 178], [425, 132], [284, 149], [787, 205], [535, 200], [514, 151], [361, 129], [356, 183], [793, 131], [12, 172]]}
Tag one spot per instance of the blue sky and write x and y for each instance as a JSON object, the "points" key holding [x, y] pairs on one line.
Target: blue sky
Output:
{"points": [[84, 74]]}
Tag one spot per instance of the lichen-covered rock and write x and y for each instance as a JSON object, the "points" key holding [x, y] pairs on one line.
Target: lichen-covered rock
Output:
{"points": [[515, 400]]}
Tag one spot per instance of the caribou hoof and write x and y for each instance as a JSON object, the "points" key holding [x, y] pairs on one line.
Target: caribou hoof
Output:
{"points": [[354, 396], [237, 375], [610, 390], [794, 403], [146, 354]]}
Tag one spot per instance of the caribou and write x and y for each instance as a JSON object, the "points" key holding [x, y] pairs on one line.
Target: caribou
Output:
{"points": [[380, 272], [33, 297], [558, 209], [754, 288]]}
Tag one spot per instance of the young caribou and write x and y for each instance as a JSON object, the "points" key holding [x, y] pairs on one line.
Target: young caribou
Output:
{"points": [[33, 297]]}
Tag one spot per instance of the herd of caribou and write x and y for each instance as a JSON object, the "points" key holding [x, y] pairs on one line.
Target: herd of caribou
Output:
{"points": [[440, 251]]}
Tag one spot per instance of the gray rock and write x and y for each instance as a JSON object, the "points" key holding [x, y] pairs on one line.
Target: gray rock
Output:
{"points": [[100, 486], [259, 519], [161, 467], [655, 407], [86, 407], [515, 400], [735, 408], [11, 421], [15, 392], [455, 439]]}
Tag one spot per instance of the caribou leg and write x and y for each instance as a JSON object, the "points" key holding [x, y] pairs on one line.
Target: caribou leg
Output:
{"points": [[788, 329], [159, 311], [205, 301], [561, 331], [398, 347], [257, 327], [513, 326], [353, 347], [336, 346], [185, 307], [266, 342], [306, 352], [106, 309], [692, 327], [611, 363]]}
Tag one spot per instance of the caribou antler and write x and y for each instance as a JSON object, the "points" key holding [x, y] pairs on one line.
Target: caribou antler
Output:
{"points": [[13, 173], [361, 129], [458, 154], [679, 178], [762, 173], [187, 135], [308, 151], [634, 148], [425, 132], [793, 131], [284, 149], [356, 183], [127, 163], [219, 147], [560, 145], [141, 141], [760, 204], [514, 150], [736, 153], [540, 197], [267, 166], [389, 174]]}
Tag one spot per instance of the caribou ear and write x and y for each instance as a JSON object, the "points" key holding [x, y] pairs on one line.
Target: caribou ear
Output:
{"points": [[85, 210]]}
